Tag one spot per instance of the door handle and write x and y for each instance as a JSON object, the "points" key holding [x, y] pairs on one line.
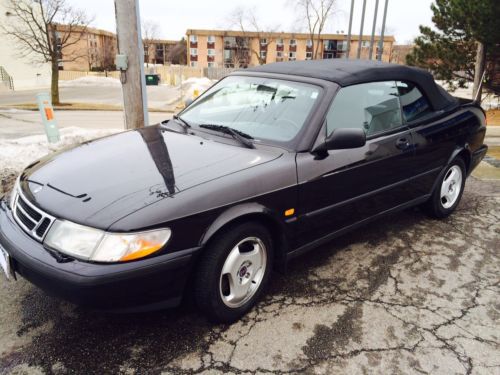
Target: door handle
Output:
{"points": [[402, 143]]}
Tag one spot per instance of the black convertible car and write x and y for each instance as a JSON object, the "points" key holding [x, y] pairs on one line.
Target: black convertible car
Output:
{"points": [[266, 165]]}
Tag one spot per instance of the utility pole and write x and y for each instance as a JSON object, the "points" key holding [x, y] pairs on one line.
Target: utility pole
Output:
{"points": [[130, 62], [479, 70], [372, 39], [360, 41], [348, 49], [381, 41]]}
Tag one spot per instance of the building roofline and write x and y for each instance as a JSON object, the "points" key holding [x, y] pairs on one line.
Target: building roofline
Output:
{"points": [[88, 29], [288, 35], [93, 30]]}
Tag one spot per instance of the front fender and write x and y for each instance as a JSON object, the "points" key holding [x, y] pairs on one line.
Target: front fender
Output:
{"points": [[240, 212]]}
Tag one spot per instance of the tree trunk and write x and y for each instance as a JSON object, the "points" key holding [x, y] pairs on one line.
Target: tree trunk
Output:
{"points": [[479, 71], [55, 82]]}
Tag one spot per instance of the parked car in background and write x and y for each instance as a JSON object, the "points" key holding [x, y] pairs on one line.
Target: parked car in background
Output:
{"points": [[266, 165]]}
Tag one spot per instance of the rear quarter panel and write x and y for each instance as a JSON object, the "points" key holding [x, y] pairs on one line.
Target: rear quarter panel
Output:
{"points": [[436, 142]]}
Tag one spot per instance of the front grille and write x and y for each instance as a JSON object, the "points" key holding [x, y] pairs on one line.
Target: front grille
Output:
{"points": [[30, 211], [31, 219], [42, 228], [28, 223]]}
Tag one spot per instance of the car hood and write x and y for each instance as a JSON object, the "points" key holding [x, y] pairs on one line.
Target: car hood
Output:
{"points": [[101, 181]]}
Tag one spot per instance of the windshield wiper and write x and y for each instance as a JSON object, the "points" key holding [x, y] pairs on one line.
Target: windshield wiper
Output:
{"points": [[240, 136], [181, 122]]}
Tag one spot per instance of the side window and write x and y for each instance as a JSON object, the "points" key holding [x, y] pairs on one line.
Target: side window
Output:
{"points": [[373, 107], [415, 104]]}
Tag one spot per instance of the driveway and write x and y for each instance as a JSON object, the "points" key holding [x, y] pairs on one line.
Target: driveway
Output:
{"points": [[404, 295]]}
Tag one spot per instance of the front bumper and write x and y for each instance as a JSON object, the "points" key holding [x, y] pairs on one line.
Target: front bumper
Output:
{"points": [[147, 284]]}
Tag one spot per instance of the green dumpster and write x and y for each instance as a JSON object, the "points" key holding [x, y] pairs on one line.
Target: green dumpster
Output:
{"points": [[152, 79]]}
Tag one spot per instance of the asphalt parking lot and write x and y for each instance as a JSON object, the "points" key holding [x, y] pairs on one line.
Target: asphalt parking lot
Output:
{"points": [[404, 295]]}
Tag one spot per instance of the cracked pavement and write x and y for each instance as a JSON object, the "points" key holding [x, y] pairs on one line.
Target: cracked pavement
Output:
{"points": [[406, 294]]}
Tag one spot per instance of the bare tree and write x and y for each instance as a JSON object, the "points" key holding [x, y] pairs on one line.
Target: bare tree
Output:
{"points": [[45, 31], [150, 32], [178, 53], [246, 20], [316, 14], [102, 58]]}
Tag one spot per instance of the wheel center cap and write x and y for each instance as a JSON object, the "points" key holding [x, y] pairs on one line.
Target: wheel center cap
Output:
{"points": [[243, 271]]}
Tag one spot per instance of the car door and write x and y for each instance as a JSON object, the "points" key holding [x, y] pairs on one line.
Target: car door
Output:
{"points": [[351, 185], [435, 136]]}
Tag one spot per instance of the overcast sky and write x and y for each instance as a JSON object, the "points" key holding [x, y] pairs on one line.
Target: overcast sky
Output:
{"points": [[175, 17]]}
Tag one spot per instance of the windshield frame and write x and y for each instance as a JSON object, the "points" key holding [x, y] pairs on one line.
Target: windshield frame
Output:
{"points": [[311, 121]]}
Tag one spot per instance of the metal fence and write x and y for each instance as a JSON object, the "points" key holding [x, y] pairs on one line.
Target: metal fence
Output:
{"points": [[173, 75], [5, 79], [217, 73]]}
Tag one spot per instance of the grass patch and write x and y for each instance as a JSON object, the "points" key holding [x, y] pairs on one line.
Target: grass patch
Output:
{"points": [[493, 116], [494, 152]]}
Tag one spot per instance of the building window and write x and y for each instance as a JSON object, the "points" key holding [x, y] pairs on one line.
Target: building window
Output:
{"points": [[263, 54], [211, 52], [193, 64], [342, 45], [292, 56], [193, 51], [211, 39], [365, 43], [309, 55], [212, 65], [279, 54], [309, 43], [193, 38], [293, 42], [263, 41], [279, 42]]}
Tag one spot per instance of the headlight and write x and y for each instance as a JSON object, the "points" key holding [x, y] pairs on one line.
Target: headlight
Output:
{"points": [[13, 193], [96, 245]]}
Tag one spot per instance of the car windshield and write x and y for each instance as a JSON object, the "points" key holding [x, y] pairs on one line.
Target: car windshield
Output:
{"points": [[265, 109]]}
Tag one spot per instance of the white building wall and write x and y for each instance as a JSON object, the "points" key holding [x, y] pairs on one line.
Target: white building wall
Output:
{"points": [[25, 74]]}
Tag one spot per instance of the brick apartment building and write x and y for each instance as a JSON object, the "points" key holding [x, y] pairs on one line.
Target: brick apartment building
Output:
{"points": [[157, 51], [95, 49], [219, 48], [90, 49]]}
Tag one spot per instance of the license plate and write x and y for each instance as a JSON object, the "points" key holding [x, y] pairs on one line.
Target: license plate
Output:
{"points": [[5, 263]]}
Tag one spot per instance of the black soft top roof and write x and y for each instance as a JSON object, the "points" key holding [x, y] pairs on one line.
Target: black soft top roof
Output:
{"points": [[351, 72]]}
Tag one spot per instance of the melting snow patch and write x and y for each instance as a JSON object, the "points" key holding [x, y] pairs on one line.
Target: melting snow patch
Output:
{"points": [[16, 154], [91, 81]]}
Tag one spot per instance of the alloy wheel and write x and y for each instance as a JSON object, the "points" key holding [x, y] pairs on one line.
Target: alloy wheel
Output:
{"points": [[451, 186], [243, 272]]}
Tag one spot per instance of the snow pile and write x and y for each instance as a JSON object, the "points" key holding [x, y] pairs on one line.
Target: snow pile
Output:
{"points": [[190, 85], [488, 102], [91, 81], [16, 154]]}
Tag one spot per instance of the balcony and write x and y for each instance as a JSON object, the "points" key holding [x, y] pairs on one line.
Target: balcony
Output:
{"points": [[236, 43]]}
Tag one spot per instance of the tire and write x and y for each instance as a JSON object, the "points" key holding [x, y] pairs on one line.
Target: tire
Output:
{"points": [[446, 196], [233, 272]]}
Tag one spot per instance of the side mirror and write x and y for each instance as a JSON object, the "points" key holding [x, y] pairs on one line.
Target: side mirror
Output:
{"points": [[343, 138]]}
